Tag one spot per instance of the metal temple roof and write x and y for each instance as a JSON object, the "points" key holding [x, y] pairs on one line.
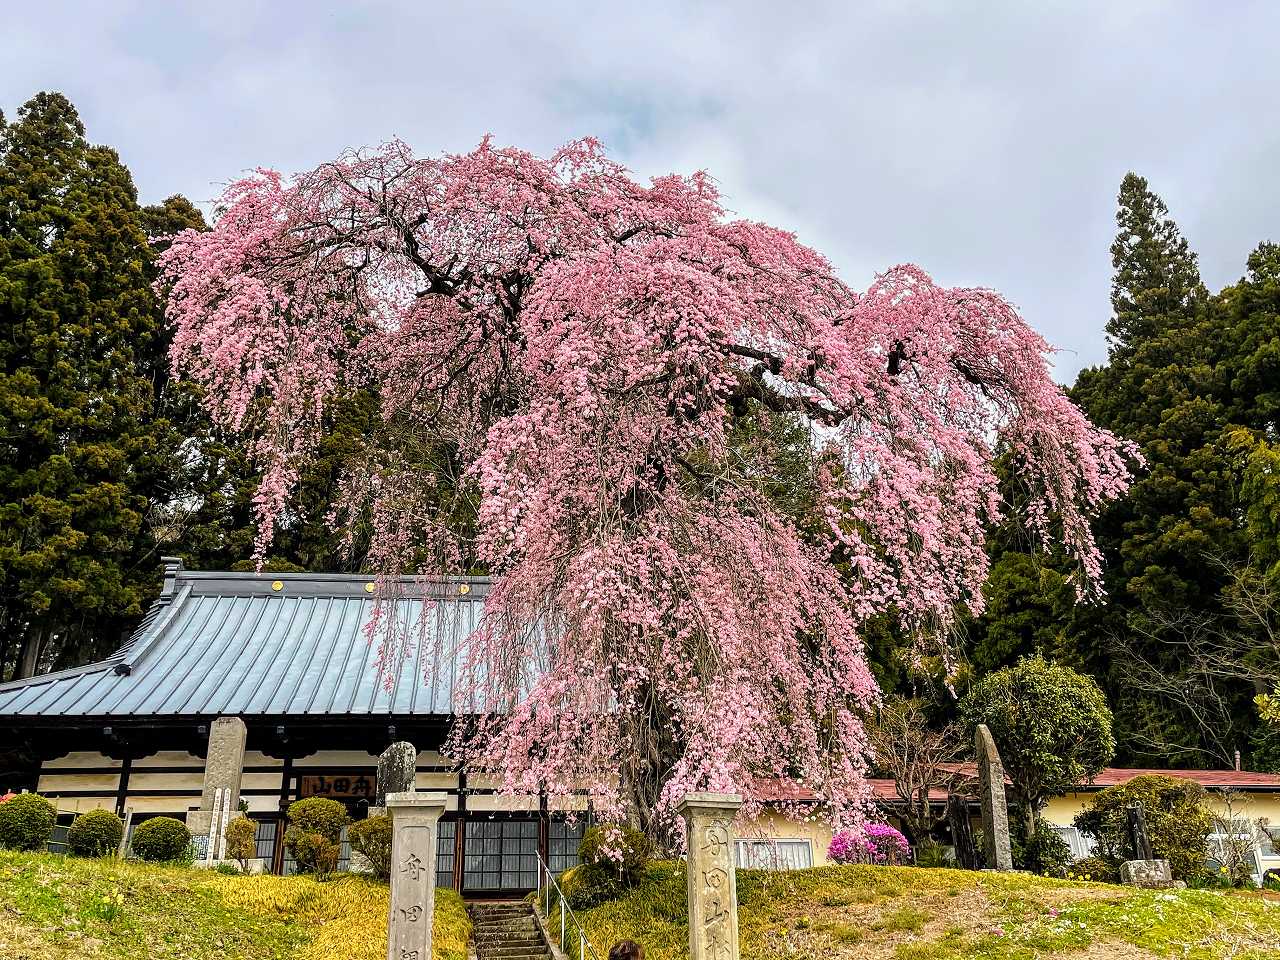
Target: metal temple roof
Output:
{"points": [[271, 644]]}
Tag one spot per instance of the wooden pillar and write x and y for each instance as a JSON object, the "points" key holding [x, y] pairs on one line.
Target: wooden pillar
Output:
{"points": [[544, 829], [277, 847], [122, 792], [460, 832]]}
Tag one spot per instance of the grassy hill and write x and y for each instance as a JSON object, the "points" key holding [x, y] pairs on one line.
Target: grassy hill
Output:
{"points": [[56, 908], [909, 913]]}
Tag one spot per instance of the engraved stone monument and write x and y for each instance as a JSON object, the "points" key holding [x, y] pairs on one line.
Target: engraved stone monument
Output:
{"points": [[397, 771], [712, 883], [995, 814], [415, 820], [223, 770]]}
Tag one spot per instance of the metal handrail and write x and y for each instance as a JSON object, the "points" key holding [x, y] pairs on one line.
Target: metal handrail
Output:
{"points": [[566, 912]]}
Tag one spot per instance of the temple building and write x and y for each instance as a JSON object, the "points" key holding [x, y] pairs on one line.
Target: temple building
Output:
{"points": [[268, 684]]}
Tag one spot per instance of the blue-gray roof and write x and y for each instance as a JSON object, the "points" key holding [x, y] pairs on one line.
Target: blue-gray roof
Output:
{"points": [[271, 645]]}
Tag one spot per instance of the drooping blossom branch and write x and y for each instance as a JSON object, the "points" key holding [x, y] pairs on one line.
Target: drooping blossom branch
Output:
{"points": [[562, 356]]}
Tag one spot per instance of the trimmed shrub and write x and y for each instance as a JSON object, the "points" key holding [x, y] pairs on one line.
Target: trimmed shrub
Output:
{"points": [[26, 821], [624, 850], [1046, 853], [242, 843], [590, 884], [319, 815], [313, 852], [1093, 868], [1051, 725], [371, 838], [96, 833], [614, 857], [315, 829], [161, 840], [1177, 822]]}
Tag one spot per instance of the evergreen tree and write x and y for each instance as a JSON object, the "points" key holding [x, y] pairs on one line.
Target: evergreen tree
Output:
{"points": [[79, 448], [1192, 380], [1156, 283], [1172, 543]]}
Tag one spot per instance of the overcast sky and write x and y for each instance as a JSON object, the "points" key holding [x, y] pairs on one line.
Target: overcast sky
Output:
{"points": [[983, 141]]}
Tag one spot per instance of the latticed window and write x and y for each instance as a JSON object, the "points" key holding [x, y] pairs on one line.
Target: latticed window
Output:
{"points": [[446, 852], [774, 854], [562, 844], [500, 855]]}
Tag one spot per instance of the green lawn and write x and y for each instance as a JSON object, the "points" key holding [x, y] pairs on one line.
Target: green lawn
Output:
{"points": [[907, 913], [56, 908]]}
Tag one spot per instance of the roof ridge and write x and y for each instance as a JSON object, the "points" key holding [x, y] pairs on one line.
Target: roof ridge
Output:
{"points": [[150, 630], [55, 675]]}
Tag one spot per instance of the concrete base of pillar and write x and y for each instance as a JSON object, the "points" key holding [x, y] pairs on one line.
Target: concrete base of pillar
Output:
{"points": [[257, 865], [1154, 874], [199, 822]]}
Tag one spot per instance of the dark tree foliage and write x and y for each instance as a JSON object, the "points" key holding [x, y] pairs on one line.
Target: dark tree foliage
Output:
{"points": [[1194, 380], [82, 458], [106, 460], [1156, 285]]}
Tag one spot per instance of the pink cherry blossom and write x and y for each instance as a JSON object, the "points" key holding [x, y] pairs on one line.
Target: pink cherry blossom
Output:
{"points": [[561, 353]]}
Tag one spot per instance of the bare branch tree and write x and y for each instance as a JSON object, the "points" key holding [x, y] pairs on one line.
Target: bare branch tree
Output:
{"points": [[1201, 664], [919, 758]]}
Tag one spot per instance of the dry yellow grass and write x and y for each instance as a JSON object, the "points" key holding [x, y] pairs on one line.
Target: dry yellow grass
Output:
{"points": [[56, 908]]}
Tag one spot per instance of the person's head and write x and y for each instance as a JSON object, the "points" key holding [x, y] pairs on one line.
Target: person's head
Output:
{"points": [[626, 950]]}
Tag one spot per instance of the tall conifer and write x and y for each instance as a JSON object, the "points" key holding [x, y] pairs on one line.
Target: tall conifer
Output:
{"points": [[78, 442]]}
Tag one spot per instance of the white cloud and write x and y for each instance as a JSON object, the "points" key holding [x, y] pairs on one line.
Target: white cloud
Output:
{"points": [[984, 143]]}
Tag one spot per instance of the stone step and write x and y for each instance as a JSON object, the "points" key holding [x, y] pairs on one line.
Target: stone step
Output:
{"points": [[515, 933], [514, 951], [501, 920], [524, 943], [523, 924], [505, 933]]}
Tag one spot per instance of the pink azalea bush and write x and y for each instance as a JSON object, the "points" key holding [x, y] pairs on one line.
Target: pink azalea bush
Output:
{"points": [[565, 356], [876, 843]]}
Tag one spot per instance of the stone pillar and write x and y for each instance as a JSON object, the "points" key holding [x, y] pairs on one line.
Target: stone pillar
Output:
{"points": [[995, 813], [397, 771], [223, 768], [415, 819], [712, 882]]}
